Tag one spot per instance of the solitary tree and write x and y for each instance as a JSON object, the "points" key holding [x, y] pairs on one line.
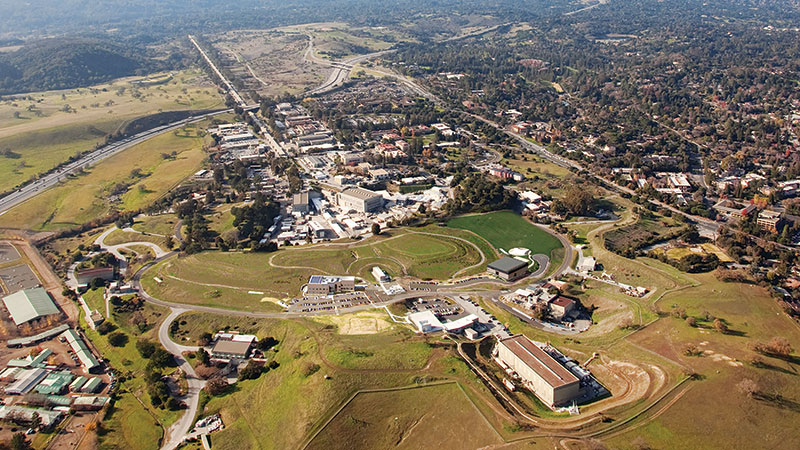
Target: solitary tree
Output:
{"points": [[376, 229], [720, 326], [747, 387]]}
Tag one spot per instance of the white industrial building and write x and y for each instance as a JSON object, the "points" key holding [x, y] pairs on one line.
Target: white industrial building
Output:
{"points": [[427, 322], [361, 200], [553, 383]]}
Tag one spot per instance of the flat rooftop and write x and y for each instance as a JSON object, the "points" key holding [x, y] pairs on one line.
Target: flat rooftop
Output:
{"points": [[539, 361], [231, 347], [363, 194], [323, 279], [507, 264]]}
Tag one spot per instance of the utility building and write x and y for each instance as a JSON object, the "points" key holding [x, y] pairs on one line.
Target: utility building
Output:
{"points": [[540, 372], [508, 268]]}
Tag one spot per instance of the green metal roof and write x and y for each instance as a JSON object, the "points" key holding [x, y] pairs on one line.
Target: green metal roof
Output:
{"points": [[92, 385], [29, 304], [54, 383]]}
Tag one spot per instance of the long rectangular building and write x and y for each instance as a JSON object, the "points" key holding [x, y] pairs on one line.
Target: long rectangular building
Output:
{"points": [[81, 350], [546, 377], [361, 200]]}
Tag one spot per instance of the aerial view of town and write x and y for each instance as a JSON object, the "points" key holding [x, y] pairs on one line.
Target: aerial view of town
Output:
{"points": [[352, 224]]}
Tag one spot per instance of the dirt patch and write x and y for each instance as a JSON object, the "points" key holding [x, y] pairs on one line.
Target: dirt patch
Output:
{"points": [[719, 357], [362, 323]]}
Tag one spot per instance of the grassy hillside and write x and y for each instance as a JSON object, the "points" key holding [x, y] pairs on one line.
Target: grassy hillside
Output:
{"points": [[87, 197], [41, 130]]}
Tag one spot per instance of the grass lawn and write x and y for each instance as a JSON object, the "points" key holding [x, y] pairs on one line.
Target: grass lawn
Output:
{"points": [[163, 224], [438, 416], [506, 230], [86, 197], [45, 139], [117, 237], [94, 298]]}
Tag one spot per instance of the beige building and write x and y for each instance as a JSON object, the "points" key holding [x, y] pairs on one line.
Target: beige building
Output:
{"points": [[769, 220], [540, 372], [322, 285], [361, 200]]}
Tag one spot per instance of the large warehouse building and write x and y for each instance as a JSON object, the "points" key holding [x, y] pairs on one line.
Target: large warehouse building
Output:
{"points": [[29, 305], [540, 372], [361, 200], [508, 268]]}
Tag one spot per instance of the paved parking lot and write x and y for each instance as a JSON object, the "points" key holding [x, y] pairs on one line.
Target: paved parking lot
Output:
{"points": [[19, 277], [8, 253], [440, 307], [491, 324], [329, 303]]}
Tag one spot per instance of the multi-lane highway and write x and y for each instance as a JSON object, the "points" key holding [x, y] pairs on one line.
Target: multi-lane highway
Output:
{"points": [[341, 69], [90, 159]]}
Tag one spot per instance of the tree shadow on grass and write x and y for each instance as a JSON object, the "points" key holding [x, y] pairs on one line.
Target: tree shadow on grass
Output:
{"points": [[768, 366], [778, 401]]}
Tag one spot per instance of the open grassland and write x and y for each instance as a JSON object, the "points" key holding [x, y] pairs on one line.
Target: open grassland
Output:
{"points": [[226, 278], [118, 236], [145, 172], [506, 230], [533, 167], [760, 421], [438, 416], [398, 349], [223, 280], [287, 405], [162, 224], [41, 134]]}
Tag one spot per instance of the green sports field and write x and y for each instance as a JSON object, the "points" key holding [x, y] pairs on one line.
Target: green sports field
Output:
{"points": [[506, 230]]}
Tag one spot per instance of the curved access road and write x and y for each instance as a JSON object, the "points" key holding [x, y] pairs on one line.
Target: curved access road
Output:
{"points": [[176, 434]]}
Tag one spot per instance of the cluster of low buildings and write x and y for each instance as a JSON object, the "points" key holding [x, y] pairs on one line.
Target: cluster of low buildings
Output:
{"points": [[53, 379], [304, 134], [237, 142], [555, 305]]}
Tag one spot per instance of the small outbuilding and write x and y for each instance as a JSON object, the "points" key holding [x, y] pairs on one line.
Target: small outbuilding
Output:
{"points": [[225, 349]]}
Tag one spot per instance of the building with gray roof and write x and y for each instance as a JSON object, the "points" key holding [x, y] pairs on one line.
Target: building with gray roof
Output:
{"points": [[508, 268]]}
